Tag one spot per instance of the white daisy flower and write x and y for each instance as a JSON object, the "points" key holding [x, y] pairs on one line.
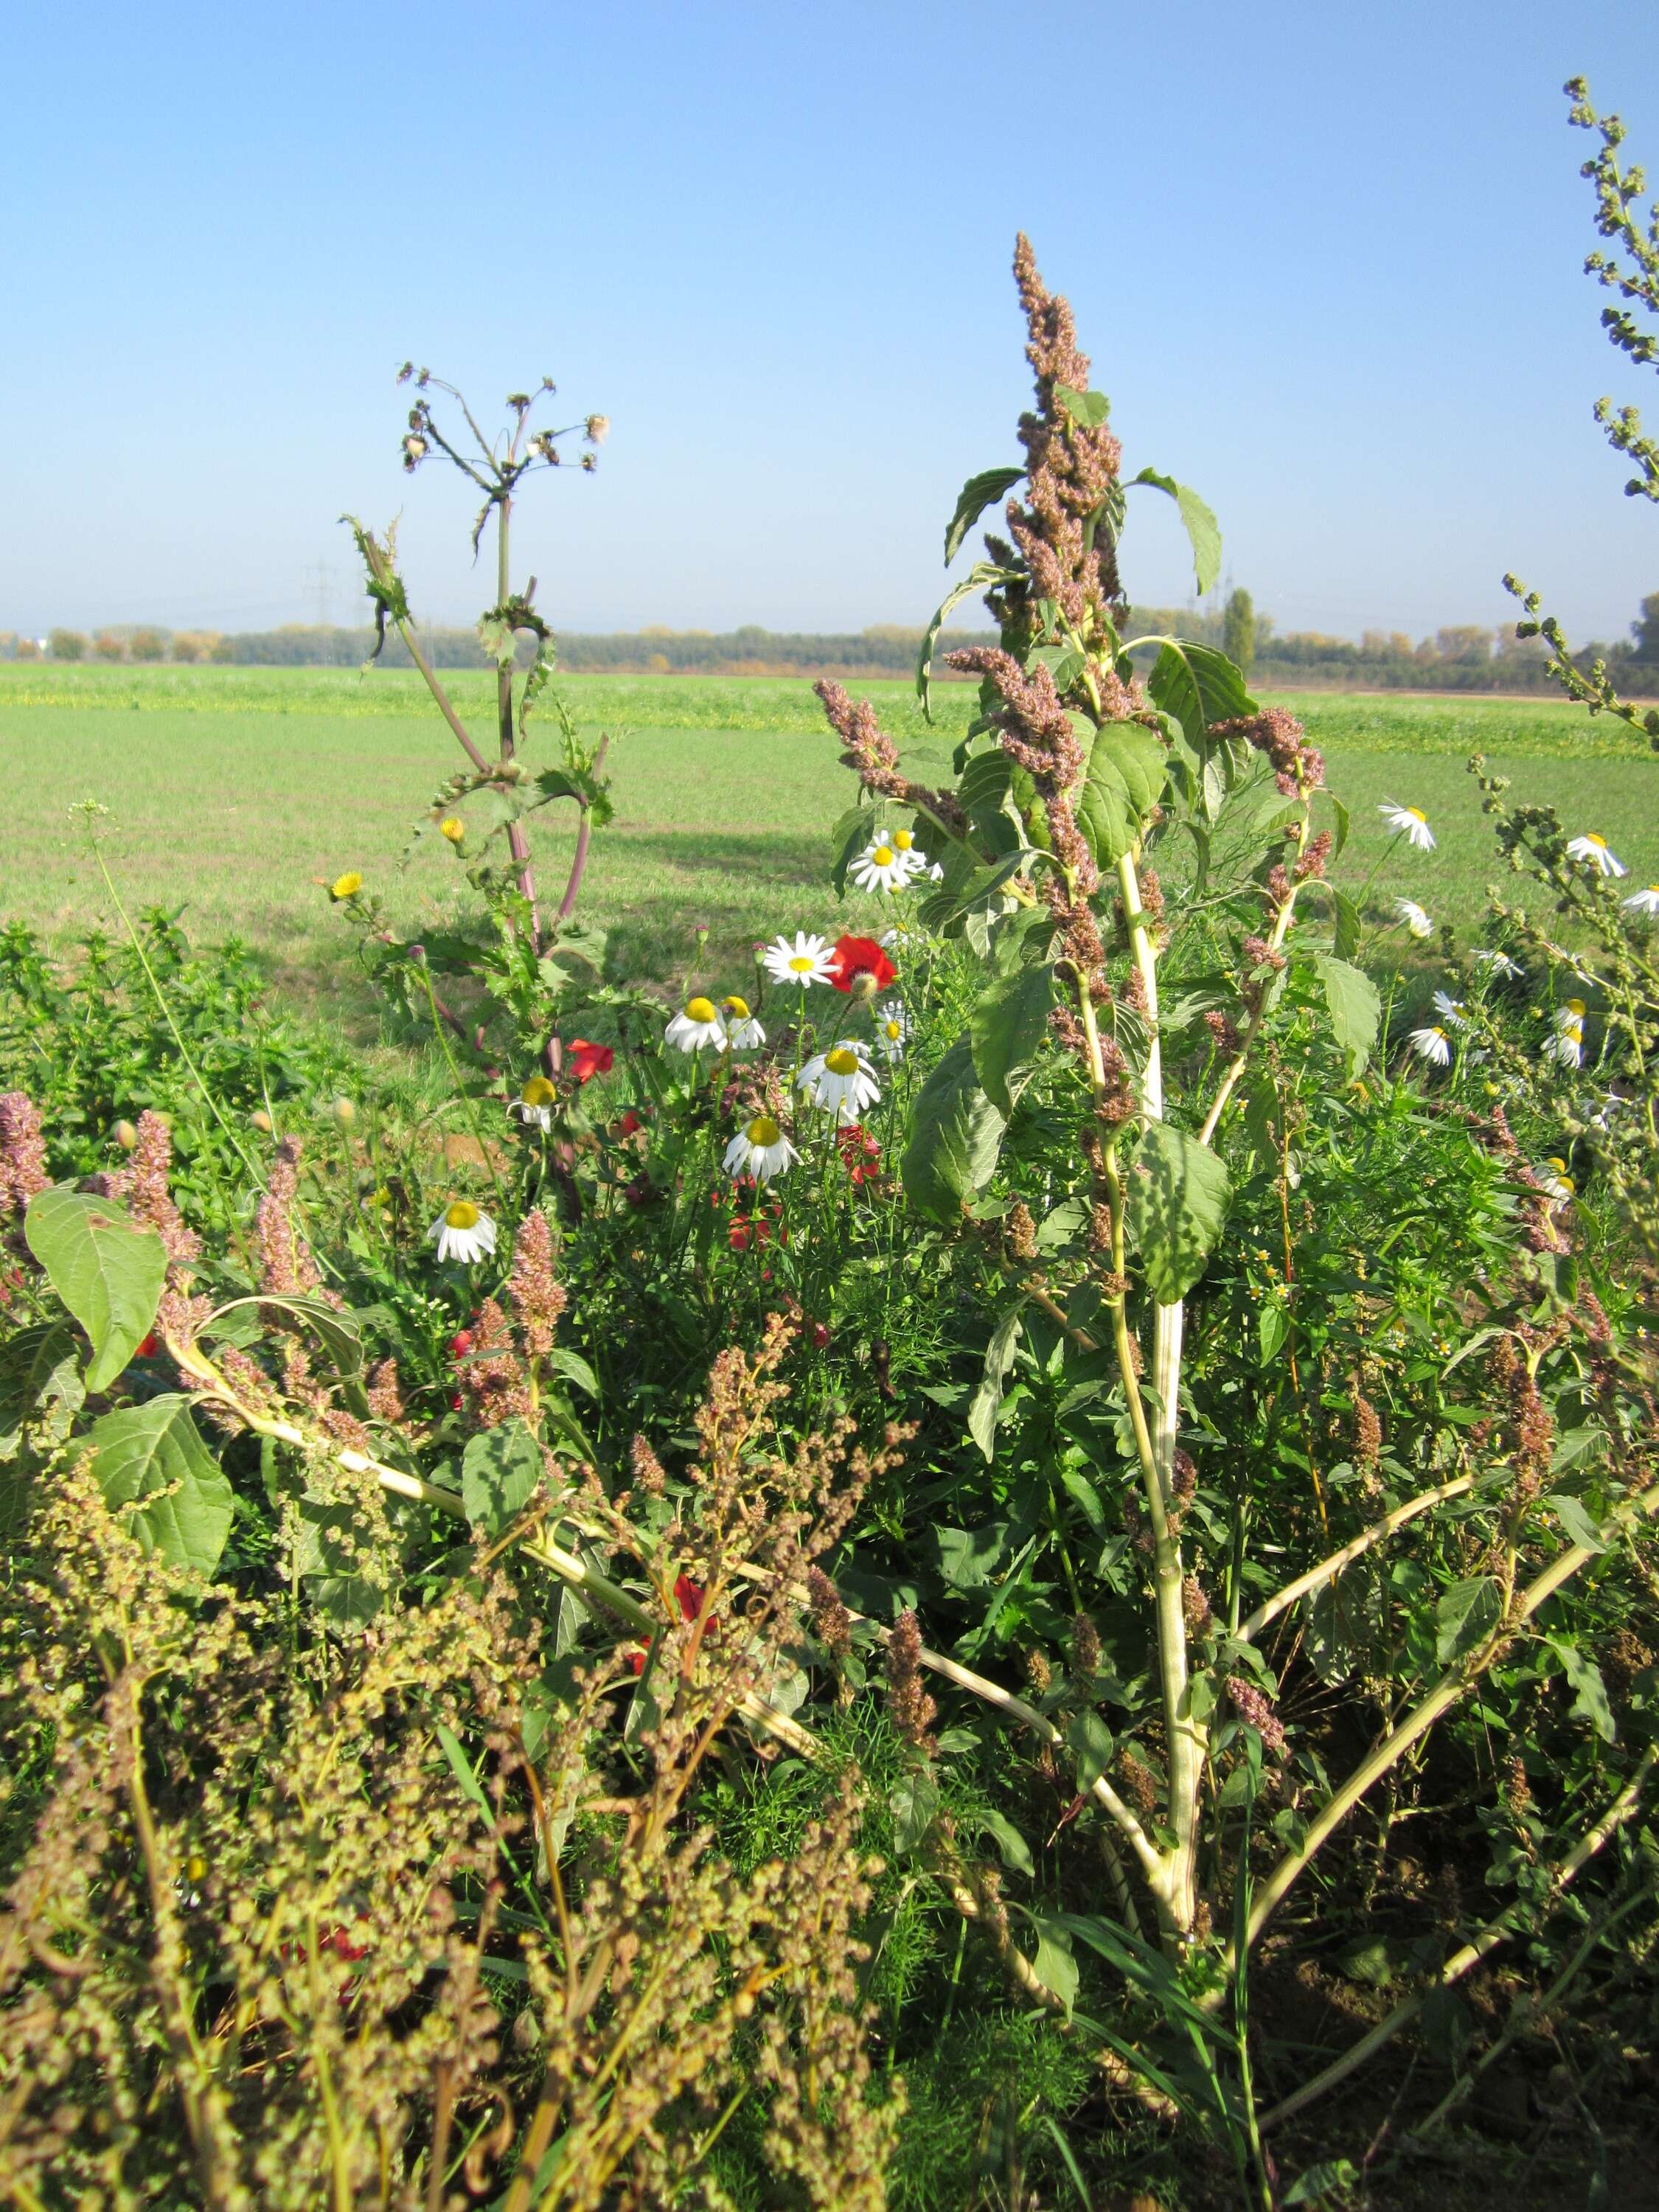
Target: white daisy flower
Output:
{"points": [[1415, 919], [699, 1029], [761, 1150], [881, 868], [1450, 1010], [743, 1032], [1499, 963], [904, 844], [901, 932], [462, 1232], [1570, 1014], [1593, 851], [1409, 822], [841, 1081], [1555, 1182], [1645, 901], [892, 1028], [1431, 1044], [535, 1102], [1567, 1046], [808, 960]]}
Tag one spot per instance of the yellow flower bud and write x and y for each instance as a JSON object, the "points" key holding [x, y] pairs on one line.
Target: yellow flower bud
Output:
{"points": [[125, 1135], [261, 1120], [454, 827], [344, 1112]]}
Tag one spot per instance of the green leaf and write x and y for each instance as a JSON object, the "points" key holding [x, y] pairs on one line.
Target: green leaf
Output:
{"points": [[952, 1138], [1203, 531], [1178, 1199], [499, 1469], [980, 577], [1467, 1614], [1015, 1851], [975, 496], [108, 1272], [575, 1369], [1355, 1009], [337, 1331], [1091, 409], [1346, 1621], [1091, 1746], [983, 794], [847, 841], [1127, 769], [1057, 1969], [987, 1398], [1198, 686], [151, 1459], [39, 1366], [913, 1801], [1577, 1525], [967, 1558], [1590, 1700], [1348, 925], [1007, 1029]]}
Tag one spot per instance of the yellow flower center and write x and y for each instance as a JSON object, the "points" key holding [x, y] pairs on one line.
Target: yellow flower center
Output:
{"points": [[762, 1131], [883, 856], [1559, 1166], [904, 840], [1418, 815], [893, 1030], [700, 1010], [346, 886], [841, 1061], [803, 964], [1590, 838], [461, 1214], [454, 827], [739, 1007], [1575, 1006], [539, 1091]]}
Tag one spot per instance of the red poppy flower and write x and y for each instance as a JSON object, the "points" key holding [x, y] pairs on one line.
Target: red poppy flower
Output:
{"points": [[461, 1343], [636, 1658], [817, 1334], [860, 956], [587, 1060], [149, 1347], [688, 1595], [631, 1124], [860, 1154]]}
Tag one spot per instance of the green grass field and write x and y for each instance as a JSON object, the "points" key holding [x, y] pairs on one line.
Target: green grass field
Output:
{"points": [[238, 793]]}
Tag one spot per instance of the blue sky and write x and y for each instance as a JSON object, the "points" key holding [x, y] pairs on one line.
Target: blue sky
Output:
{"points": [[1326, 259]]}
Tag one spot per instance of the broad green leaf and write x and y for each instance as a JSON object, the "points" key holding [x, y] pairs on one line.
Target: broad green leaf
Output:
{"points": [[983, 794], [1078, 1487], [336, 1330], [980, 577], [847, 841], [1577, 1523], [1057, 1969], [1346, 1621], [1590, 1692], [38, 1367], [1015, 1851], [1178, 1198], [952, 1140], [1355, 1009], [987, 1398], [499, 1469], [1349, 925], [1089, 408], [975, 496], [575, 1369], [1203, 531], [1467, 1613], [1007, 1029], [107, 1272], [1059, 1228], [1091, 1746], [967, 1558], [1126, 771], [151, 1459], [913, 1801], [1198, 685]]}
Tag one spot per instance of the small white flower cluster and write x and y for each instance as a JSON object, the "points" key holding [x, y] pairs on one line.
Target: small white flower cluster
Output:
{"points": [[701, 1026], [892, 864]]}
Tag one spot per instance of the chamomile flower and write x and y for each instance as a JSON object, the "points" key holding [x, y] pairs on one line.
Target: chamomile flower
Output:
{"points": [[841, 1081], [892, 1028], [743, 1032], [760, 1150], [882, 868], [1567, 1045], [1450, 1010], [1555, 1182], [1646, 901], [1500, 963], [1415, 917], [698, 1029], [1431, 1044], [904, 844], [808, 960], [1409, 822], [1570, 1014], [535, 1102], [903, 932], [462, 1232], [1593, 850]]}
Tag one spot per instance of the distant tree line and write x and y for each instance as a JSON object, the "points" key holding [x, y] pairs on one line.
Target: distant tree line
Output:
{"points": [[1468, 658]]}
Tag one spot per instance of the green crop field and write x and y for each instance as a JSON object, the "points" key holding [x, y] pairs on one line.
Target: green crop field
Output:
{"points": [[239, 793]]}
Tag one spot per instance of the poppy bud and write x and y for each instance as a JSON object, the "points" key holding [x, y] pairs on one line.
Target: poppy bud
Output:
{"points": [[261, 1120], [461, 1343], [344, 1112]]}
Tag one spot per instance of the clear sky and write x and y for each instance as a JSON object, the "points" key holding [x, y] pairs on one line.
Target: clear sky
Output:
{"points": [[1326, 258]]}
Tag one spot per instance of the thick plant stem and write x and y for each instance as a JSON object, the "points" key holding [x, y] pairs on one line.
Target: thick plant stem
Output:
{"points": [[516, 843], [1327, 1570], [1623, 1809]]}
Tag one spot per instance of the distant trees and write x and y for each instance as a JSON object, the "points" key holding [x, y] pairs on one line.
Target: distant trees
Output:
{"points": [[146, 644], [1645, 630], [192, 645], [1238, 630], [67, 645]]}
